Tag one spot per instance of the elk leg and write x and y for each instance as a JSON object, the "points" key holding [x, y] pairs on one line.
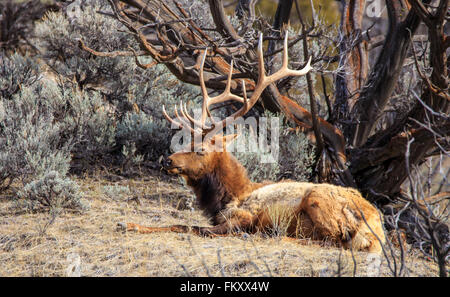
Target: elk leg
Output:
{"points": [[143, 229], [224, 229], [202, 231], [227, 228]]}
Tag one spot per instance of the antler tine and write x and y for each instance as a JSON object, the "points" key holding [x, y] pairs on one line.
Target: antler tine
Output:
{"points": [[207, 100], [182, 123], [264, 80], [230, 75], [262, 83], [185, 121], [185, 116], [185, 113], [244, 92], [226, 95], [261, 68], [284, 70], [285, 51], [204, 90], [170, 119], [210, 116]]}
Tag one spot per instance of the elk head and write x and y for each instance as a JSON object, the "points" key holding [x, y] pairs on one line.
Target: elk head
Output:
{"points": [[202, 159]]}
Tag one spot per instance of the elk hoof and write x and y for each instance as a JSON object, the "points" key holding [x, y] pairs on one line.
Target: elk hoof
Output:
{"points": [[121, 226], [245, 236]]}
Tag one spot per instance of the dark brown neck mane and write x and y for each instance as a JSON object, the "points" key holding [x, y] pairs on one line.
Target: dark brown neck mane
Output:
{"points": [[226, 182]]}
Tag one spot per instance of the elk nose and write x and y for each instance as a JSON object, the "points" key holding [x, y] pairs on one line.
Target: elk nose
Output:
{"points": [[167, 163]]}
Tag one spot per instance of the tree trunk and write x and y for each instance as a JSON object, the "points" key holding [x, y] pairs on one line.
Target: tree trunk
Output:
{"points": [[353, 63], [384, 75]]}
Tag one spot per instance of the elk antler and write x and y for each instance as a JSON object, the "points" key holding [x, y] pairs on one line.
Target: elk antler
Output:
{"points": [[263, 81]]}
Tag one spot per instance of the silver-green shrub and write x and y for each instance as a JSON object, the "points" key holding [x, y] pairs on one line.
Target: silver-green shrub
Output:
{"points": [[16, 72], [35, 146], [145, 133], [296, 156], [116, 192], [251, 160], [57, 37], [30, 136], [295, 160], [90, 124], [51, 192], [133, 97]]}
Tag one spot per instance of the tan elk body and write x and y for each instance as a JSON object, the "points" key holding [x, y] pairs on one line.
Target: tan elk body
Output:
{"points": [[234, 203]]}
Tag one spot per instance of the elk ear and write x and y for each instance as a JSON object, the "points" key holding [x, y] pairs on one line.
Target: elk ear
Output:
{"points": [[229, 139], [220, 143]]}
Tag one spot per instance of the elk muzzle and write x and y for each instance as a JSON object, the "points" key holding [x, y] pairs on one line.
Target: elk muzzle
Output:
{"points": [[170, 167]]}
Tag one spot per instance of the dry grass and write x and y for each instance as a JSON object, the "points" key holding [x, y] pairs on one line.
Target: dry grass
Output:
{"points": [[27, 248]]}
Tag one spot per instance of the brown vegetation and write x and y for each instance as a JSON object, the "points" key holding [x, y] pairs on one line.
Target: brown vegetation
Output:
{"points": [[25, 250]]}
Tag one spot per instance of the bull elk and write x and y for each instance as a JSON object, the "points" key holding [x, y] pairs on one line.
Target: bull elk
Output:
{"points": [[234, 203]]}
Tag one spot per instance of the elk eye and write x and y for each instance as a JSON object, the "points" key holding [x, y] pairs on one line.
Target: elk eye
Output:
{"points": [[201, 153]]}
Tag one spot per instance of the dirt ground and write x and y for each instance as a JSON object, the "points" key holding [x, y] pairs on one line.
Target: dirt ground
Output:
{"points": [[88, 244]]}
